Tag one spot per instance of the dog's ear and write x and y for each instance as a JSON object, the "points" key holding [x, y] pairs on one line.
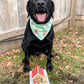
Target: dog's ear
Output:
{"points": [[28, 8], [53, 8]]}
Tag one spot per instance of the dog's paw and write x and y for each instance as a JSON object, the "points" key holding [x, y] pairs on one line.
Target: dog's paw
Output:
{"points": [[49, 66], [26, 68], [24, 60]]}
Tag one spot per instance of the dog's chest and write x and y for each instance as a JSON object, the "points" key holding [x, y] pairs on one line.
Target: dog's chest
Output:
{"points": [[37, 45]]}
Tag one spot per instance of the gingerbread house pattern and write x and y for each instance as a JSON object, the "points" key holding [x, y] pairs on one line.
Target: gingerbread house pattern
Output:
{"points": [[37, 74]]}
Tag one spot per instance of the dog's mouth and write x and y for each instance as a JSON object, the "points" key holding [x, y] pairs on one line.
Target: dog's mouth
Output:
{"points": [[41, 17]]}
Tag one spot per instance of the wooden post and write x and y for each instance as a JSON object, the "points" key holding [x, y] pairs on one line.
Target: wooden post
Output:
{"points": [[4, 17], [25, 11], [13, 14], [73, 12]]}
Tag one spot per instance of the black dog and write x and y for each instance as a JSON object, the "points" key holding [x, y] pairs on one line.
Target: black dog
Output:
{"points": [[40, 11]]}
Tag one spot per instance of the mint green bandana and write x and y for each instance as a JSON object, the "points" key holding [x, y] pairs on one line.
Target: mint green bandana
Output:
{"points": [[40, 30]]}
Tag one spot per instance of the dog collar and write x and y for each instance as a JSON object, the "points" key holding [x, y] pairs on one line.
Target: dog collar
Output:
{"points": [[40, 30]]}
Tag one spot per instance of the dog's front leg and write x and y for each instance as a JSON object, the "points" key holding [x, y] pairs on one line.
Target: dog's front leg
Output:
{"points": [[26, 63], [49, 64]]}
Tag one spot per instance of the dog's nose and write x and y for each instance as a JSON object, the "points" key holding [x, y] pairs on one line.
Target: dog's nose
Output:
{"points": [[40, 3]]}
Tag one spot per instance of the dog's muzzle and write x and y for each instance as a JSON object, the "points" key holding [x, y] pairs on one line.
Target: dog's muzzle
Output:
{"points": [[41, 14]]}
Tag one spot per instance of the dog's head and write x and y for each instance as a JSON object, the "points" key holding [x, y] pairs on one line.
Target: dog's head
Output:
{"points": [[40, 10]]}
